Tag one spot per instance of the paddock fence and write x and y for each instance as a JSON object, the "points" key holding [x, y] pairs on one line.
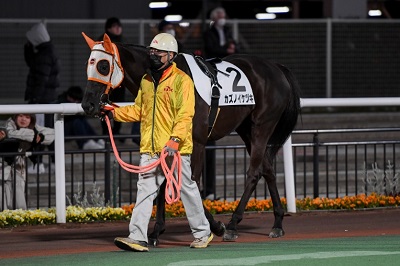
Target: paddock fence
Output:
{"points": [[304, 169]]}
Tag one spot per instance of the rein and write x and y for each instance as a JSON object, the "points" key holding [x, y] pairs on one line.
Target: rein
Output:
{"points": [[173, 186]]}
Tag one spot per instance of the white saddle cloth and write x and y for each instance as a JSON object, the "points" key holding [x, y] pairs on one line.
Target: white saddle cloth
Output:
{"points": [[236, 89]]}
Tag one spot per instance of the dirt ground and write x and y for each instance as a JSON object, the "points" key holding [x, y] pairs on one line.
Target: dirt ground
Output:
{"points": [[71, 238]]}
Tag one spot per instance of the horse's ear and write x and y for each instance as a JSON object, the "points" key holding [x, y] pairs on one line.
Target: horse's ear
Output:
{"points": [[89, 41], [107, 44]]}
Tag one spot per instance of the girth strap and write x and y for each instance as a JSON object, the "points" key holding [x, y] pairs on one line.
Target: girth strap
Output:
{"points": [[215, 93]]}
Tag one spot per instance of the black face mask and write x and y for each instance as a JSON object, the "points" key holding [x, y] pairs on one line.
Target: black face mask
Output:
{"points": [[155, 62]]}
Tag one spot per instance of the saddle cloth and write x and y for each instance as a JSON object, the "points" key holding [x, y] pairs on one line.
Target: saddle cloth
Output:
{"points": [[236, 89]]}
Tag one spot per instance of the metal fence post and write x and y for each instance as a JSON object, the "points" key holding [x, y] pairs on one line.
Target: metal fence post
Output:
{"points": [[59, 151], [316, 165], [289, 176], [107, 170]]}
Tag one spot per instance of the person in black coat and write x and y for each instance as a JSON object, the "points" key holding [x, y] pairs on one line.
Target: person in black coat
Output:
{"points": [[43, 76], [42, 60], [218, 42], [218, 39], [44, 68]]}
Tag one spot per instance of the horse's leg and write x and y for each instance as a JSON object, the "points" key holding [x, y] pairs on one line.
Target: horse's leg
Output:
{"points": [[256, 145], [217, 227], [197, 160], [159, 226], [268, 174]]}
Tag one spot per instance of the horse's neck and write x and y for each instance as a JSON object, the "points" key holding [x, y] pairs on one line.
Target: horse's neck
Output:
{"points": [[130, 84], [182, 64], [134, 60]]}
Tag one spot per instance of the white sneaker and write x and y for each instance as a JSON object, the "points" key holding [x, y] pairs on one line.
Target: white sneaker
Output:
{"points": [[91, 145], [202, 242], [102, 143], [34, 169]]}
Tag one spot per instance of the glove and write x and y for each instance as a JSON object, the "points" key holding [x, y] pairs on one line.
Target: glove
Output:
{"points": [[41, 138], [37, 138], [172, 146], [106, 110]]}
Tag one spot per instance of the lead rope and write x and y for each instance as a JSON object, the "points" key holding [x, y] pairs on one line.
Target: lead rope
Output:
{"points": [[173, 186]]}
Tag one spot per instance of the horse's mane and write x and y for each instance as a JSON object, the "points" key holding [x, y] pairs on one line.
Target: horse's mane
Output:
{"points": [[131, 45]]}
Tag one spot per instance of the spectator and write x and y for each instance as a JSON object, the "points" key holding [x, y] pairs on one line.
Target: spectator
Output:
{"points": [[43, 76], [218, 42], [23, 127], [77, 125], [5, 171], [170, 126], [7, 145], [167, 27], [218, 39], [113, 28]]}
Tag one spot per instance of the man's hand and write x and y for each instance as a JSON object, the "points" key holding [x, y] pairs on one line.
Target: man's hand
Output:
{"points": [[106, 110], [172, 146]]}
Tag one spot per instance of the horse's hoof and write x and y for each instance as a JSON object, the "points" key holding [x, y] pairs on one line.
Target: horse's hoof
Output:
{"points": [[220, 229], [153, 237], [276, 232], [154, 242], [230, 235]]}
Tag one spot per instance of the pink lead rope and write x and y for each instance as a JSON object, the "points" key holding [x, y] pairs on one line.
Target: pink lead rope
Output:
{"points": [[173, 186]]}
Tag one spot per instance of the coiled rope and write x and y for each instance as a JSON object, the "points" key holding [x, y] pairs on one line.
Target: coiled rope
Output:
{"points": [[173, 186]]}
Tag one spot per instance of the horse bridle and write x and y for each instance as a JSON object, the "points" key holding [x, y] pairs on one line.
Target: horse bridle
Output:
{"points": [[114, 77]]}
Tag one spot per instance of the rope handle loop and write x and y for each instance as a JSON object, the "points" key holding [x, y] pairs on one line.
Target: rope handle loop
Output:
{"points": [[173, 185]]}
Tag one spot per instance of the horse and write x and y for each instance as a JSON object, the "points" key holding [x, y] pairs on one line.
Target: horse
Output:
{"points": [[264, 126]]}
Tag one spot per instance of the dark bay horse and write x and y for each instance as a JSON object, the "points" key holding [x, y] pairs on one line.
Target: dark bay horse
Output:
{"points": [[264, 127]]}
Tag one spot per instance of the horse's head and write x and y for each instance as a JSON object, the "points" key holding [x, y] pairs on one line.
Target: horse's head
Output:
{"points": [[104, 73]]}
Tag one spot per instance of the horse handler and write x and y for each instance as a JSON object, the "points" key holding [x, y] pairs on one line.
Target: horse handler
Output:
{"points": [[165, 108]]}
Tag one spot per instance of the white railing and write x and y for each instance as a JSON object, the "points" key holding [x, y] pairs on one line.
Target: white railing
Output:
{"points": [[323, 102], [60, 110]]}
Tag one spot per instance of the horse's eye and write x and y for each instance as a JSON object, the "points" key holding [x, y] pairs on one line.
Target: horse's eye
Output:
{"points": [[103, 66]]}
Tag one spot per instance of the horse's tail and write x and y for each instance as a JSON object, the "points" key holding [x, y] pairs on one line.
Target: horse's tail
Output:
{"points": [[289, 117]]}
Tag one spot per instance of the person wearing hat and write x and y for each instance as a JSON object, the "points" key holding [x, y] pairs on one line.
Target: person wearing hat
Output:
{"points": [[165, 107], [113, 28]]}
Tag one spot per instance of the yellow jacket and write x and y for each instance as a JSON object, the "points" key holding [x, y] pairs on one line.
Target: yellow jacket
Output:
{"points": [[164, 112]]}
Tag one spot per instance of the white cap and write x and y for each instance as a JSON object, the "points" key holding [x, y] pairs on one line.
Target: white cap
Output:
{"points": [[164, 42]]}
